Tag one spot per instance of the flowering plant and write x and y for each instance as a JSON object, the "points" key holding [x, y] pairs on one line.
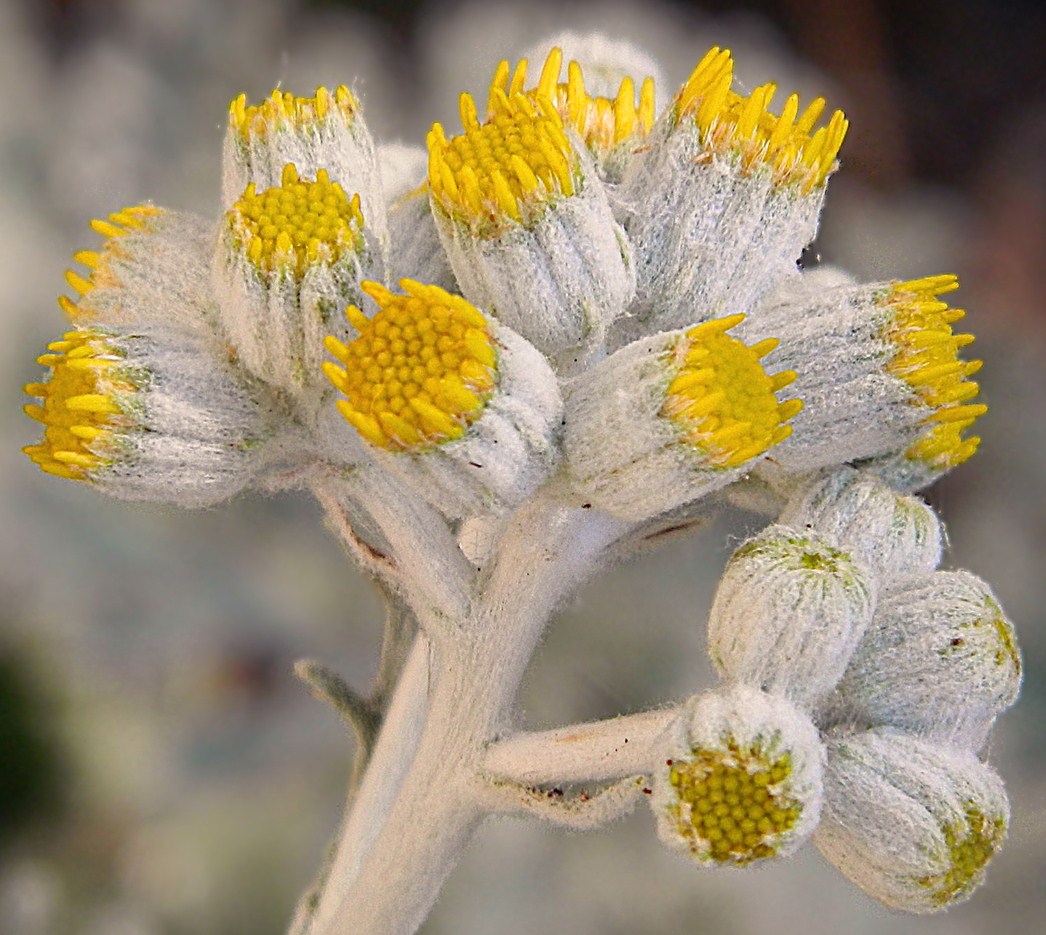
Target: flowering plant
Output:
{"points": [[604, 331]]}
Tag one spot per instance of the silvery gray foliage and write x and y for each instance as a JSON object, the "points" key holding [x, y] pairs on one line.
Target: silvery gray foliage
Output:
{"points": [[575, 366]]}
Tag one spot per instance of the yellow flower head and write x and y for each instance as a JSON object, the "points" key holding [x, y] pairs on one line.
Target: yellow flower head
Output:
{"points": [[296, 224], [420, 372], [281, 110], [503, 171], [743, 125], [78, 406], [721, 398], [927, 359]]}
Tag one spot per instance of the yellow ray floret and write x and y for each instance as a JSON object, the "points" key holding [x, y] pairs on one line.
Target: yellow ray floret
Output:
{"points": [[77, 406], [421, 370], [733, 805], [734, 123], [297, 223], [927, 359], [722, 399], [971, 843], [97, 270], [602, 122], [500, 171], [281, 110]]}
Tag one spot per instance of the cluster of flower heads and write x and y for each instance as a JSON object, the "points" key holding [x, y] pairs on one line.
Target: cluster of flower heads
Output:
{"points": [[603, 291]]}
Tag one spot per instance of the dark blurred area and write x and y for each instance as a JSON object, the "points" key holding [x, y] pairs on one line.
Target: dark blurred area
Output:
{"points": [[160, 771]]}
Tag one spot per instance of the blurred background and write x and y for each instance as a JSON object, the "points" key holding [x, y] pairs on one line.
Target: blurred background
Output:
{"points": [[161, 773]]}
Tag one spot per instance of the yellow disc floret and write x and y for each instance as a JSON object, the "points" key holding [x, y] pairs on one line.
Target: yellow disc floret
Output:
{"points": [[116, 226], [281, 109], [602, 122], [927, 359], [421, 370], [732, 123], [733, 806], [504, 170], [297, 223], [721, 398], [77, 407], [971, 843]]}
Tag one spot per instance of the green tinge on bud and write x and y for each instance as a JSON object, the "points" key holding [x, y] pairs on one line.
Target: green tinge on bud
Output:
{"points": [[289, 261], [724, 196], [146, 414], [460, 406], [671, 418], [879, 371], [742, 780], [326, 131], [939, 659], [788, 613], [892, 534], [152, 267], [527, 225], [911, 823]]}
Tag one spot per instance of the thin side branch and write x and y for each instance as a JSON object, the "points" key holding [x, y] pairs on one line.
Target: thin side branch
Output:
{"points": [[373, 561], [358, 712]]}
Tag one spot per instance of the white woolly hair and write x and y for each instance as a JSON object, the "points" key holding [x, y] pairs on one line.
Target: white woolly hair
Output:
{"points": [[622, 454], [940, 659], [709, 240], [157, 274], [415, 249], [343, 146], [199, 434], [742, 716], [852, 407], [277, 322], [506, 453], [558, 282], [789, 612], [890, 799], [855, 511]]}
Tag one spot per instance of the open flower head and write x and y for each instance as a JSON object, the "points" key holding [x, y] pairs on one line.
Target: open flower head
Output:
{"points": [[744, 783], [430, 375], [670, 418]]}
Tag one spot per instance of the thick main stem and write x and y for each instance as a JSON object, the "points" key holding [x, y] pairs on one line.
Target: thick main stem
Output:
{"points": [[545, 552]]}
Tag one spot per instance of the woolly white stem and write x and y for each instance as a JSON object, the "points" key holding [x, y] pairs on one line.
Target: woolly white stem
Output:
{"points": [[600, 750], [579, 811], [546, 550]]}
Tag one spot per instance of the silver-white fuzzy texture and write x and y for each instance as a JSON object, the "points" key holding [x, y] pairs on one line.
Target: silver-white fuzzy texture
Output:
{"points": [[856, 511], [940, 659], [559, 280], [912, 823], [743, 729], [789, 612]]}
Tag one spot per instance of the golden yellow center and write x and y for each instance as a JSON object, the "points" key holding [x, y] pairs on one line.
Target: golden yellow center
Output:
{"points": [[602, 122], [421, 370], [927, 359], [117, 226], [971, 844], [296, 224], [733, 805], [730, 122], [77, 411], [282, 109], [721, 398], [503, 170]]}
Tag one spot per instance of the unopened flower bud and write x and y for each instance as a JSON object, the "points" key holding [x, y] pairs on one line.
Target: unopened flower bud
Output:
{"points": [[742, 781], [671, 418], [939, 659], [527, 225], [789, 612], [892, 534], [725, 196], [458, 404], [911, 823], [290, 260], [146, 414]]}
